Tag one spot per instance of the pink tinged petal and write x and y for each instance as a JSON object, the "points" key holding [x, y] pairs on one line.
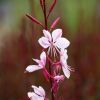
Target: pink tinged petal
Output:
{"points": [[62, 43], [66, 71], [43, 58], [36, 60], [40, 91], [63, 54], [36, 90], [63, 51], [47, 34], [56, 34], [36, 97], [32, 68], [40, 98], [43, 41], [59, 77], [32, 96]]}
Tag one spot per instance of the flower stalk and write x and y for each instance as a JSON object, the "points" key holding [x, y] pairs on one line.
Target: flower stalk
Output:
{"points": [[51, 82], [56, 56], [45, 15]]}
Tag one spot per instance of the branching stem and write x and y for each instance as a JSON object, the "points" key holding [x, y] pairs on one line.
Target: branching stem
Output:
{"points": [[45, 16]]}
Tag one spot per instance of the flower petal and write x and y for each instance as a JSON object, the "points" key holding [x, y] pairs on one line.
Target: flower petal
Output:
{"points": [[40, 91], [56, 34], [66, 71], [62, 43], [39, 98], [32, 68], [47, 34], [63, 55], [43, 58], [43, 41], [36, 60], [32, 96], [59, 77]]}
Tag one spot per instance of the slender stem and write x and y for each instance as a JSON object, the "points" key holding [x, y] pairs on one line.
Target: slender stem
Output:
{"points": [[51, 83], [45, 16], [50, 64]]}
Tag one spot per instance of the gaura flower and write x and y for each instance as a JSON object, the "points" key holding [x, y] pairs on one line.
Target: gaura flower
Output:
{"points": [[63, 60], [53, 40], [41, 63], [38, 94]]}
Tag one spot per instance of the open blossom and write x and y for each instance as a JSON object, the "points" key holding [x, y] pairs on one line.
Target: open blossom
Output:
{"points": [[41, 63], [63, 60], [53, 40], [38, 94]]}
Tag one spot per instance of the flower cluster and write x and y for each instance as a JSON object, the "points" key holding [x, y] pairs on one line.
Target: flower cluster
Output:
{"points": [[53, 58], [54, 52]]}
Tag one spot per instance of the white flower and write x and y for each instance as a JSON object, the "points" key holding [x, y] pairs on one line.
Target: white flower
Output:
{"points": [[38, 94], [41, 63], [53, 40], [63, 59]]}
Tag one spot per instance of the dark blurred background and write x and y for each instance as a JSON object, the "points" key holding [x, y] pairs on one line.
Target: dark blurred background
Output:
{"points": [[80, 21]]}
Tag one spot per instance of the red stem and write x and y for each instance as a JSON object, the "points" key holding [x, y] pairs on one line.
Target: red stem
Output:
{"points": [[50, 64], [51, 82], [51, 8], [45, 15], [43, 6]]}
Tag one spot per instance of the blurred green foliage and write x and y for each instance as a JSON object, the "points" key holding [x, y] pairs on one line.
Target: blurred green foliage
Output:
{"points": [[76, 11], [73, 12]]}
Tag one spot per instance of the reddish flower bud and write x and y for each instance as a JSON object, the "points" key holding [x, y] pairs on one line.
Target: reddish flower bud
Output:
{"points": [[55, 23]]}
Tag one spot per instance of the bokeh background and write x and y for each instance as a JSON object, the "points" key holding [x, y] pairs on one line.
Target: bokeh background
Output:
{"points": [[80, 21]]}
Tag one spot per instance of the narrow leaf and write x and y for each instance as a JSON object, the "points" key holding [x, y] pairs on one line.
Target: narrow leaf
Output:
{"points": [[55, 23], [34, 20]]}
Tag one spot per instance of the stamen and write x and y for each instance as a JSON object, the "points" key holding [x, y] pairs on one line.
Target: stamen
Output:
{"points": [[54, 52], [57, 50], [51, 51], [70, 69], [48, 51]]}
